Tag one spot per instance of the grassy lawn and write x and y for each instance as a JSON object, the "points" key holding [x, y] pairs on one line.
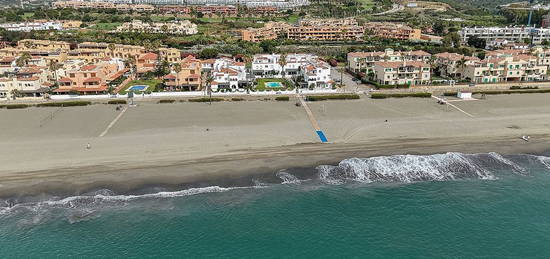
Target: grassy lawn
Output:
{"points": [[261, 83], [152, 83]]}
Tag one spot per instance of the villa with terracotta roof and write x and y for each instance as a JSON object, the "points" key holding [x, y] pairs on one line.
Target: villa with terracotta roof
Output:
{"points": [[227, 73], [452, 64], [358, 62], [90, 79], [402, 72], [188, 78], [505, 69], [146, 63], [28, 81]]}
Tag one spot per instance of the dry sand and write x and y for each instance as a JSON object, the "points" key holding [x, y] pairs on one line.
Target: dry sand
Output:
{"points": [[44, 148]]}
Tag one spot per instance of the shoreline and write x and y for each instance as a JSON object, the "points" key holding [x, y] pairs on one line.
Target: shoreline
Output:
{"points": [[193, 144], [245, 166]]}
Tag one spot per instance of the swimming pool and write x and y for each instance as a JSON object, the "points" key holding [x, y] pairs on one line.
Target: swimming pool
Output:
{"points": [[138, 88], [273, 84]]}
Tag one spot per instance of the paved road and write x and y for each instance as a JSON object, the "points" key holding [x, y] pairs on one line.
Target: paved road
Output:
{"points": [[349, 84]]}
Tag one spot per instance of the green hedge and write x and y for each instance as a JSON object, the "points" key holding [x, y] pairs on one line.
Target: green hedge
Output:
{"points": [[237, 99], [535, 91], [282, 98], [167, 101], [523, 87], [332, 97], [117, 102], [400, 95], [64, 104], [450, 93], [206, 99], [14, 106]]}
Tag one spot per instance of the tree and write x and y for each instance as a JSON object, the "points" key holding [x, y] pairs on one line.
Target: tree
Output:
{"points": [[23, 60], [53, 66], [477, 42], [268, 46], [112, 47], [451, 40], [177, 69], [282, 63], [208, 53]]}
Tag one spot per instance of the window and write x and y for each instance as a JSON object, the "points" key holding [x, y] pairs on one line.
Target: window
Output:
{"points": [[71, 75]]}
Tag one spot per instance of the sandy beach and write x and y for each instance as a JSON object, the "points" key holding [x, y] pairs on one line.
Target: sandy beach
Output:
{"points": [[44, 149]]}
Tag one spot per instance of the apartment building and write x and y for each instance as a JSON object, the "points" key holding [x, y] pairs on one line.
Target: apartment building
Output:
{"points": [[29, 81], [270, 31], [402, 72], [184, 27], [363, 62], [397, 31], [91, 78], [505, 69], [512, 34], [453, 64], [174, 9], [326, 33], [171, 55], [189, 76], [32, 26], [227, 10], [263, 10], [124, 7]]}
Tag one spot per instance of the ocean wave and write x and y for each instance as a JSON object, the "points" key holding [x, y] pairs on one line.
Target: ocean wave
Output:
{"points": [[415, 168], [104, 197], [287, 178]]}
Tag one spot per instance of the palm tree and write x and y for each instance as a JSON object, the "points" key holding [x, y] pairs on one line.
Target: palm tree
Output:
{"points": [[23, 60], [53, 66], [461, 63], [282, 62], [209, 80], [177, 69], [112, 47]]}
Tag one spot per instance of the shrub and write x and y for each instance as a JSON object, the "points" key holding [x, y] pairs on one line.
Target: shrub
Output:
{"points": [[15, 106], [282, 98], [450, 94], [332, 97], [237, 99], [400, 95], [116, 102], [167, 101], [206, 99], [64, 104]]}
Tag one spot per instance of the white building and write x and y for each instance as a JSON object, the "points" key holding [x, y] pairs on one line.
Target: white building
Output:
{"points": [[227, 73], [515, 34], [184, 27], [266, 65], [314, 72], [32, 26]]}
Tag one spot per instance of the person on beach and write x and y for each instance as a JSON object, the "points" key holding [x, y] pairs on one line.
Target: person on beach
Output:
{"points": [[88, 146]]}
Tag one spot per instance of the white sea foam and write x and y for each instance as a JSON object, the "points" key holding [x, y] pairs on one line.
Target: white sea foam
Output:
{"points": [[515, 167], [544, 160], [287, 178], [90, 200], [407, 169]]}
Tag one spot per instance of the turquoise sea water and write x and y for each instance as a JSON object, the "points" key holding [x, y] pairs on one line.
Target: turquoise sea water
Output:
{"points": [[450, 205]]}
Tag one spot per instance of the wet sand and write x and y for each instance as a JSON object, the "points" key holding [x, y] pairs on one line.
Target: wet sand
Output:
{"points": [[44, 149]]}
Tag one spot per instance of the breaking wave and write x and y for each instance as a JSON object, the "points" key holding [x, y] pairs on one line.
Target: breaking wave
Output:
{"points": [[287, 178], [415, 168], [104, 197], [398, 168]]}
